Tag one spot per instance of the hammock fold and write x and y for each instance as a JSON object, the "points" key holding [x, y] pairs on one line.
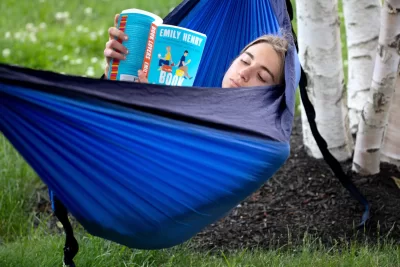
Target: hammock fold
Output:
{"points": [[149, 166], [142, 180]]}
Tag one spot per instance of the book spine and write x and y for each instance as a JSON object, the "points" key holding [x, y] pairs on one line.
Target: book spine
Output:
{"points": [[149, 49], [113, 72]]}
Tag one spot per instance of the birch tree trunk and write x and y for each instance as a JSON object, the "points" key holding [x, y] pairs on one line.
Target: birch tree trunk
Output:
{"points": [[391, 142], [362, 18], [374, 116], [321, 57]]}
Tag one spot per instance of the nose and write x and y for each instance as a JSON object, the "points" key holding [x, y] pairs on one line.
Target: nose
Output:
{"points": [[244, 73]]}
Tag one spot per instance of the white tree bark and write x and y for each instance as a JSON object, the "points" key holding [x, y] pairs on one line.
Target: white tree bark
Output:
{"points": [[362, 19], [391, 142], [374, 117], [321, 57]]}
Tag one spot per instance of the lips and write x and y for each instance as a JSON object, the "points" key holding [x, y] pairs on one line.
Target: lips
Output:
{"points": [[234, 84]]}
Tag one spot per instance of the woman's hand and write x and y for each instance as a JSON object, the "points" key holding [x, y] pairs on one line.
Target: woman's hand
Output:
{"points": [[142, 77], [115, 49]]}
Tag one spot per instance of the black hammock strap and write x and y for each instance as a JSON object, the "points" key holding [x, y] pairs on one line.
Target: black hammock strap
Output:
{"points": [[71, 246]]}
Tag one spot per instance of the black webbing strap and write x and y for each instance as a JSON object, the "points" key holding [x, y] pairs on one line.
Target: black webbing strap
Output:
{"points": [[322, 145], [71, 245]]}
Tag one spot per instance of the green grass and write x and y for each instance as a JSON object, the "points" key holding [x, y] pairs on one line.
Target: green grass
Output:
{"points": [[42, 249], [73, 44], [17, 181], [44, 38]]}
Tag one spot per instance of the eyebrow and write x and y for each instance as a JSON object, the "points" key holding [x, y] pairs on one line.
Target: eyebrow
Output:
{"points": [[263, 67]]}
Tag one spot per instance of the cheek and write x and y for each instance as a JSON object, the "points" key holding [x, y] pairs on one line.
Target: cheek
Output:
{"points": [[232, 69], [276, 70], [228, 72], [227, 76]]}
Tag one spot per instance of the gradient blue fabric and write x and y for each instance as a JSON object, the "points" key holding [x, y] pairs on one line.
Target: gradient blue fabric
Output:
{"points": [[149, 166], [230, 25]]}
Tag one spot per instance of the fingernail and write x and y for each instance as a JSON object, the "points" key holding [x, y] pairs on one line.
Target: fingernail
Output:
{"points": [[127, 52], [125, 37]]}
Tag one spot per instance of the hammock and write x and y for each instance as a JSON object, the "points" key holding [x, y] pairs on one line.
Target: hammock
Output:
{"points": [[149, 166]]}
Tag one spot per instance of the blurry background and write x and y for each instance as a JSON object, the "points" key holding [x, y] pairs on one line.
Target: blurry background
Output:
{"points": [[63, 36], [69, 36]]}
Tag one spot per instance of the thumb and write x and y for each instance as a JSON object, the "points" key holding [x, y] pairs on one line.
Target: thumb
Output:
{"points": [[116, 20], [142, 77]]}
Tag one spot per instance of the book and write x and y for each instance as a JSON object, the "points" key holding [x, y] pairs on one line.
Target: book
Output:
{"points": [[167, 54]]}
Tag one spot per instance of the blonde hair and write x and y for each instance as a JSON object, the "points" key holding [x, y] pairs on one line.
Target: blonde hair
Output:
{"points": [[278, 43]]}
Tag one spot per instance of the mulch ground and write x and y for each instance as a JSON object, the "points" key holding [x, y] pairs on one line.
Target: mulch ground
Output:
{"points": [[305, 197], [302, 197]]}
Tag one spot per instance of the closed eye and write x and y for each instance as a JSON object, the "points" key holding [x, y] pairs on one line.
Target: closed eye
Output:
{"points": [[245, 62], [261, 79]]}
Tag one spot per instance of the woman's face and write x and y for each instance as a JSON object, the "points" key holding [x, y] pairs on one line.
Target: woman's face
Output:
{"points": [[259, 65]]}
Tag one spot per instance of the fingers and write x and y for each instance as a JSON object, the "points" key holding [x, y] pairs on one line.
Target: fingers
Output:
{"points": [[114, 49], [113, 33], [110, 53], [106, 71], [142, 77], [114, 44]]}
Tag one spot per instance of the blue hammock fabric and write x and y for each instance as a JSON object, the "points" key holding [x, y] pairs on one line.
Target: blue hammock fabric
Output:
{"points": [[149, 166], [143, 180]]}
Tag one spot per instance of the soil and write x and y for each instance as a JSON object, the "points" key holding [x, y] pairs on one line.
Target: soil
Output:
{"points": [[302, 198]]}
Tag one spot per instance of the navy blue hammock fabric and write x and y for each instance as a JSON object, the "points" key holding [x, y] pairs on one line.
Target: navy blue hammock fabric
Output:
{"points": [[150, 166]]}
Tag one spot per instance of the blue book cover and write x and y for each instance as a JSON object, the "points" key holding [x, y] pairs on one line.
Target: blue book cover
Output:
{"points": [[173, 55], [167, 54]]}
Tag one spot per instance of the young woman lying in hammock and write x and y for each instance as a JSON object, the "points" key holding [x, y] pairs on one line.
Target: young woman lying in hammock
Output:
{"points": [[260, 63]]}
